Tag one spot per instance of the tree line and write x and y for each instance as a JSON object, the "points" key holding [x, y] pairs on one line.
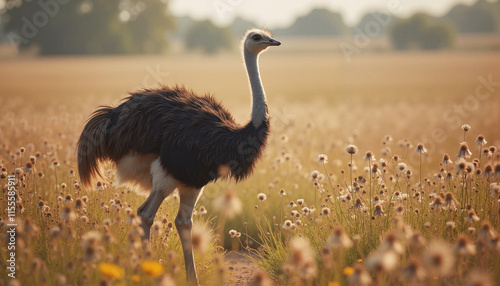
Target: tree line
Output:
{"points": [[146, 26]]}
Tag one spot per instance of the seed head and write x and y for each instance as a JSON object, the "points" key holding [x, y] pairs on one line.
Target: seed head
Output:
{"points": [[262, 197], [339, 239], [369, 156], [463, 246], [420, 149], [351, 149], [439, 259], [464, 151], [480, 140], [322, 158]]}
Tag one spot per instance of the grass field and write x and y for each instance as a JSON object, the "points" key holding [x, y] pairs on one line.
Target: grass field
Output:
{"points": [[319, 104]]}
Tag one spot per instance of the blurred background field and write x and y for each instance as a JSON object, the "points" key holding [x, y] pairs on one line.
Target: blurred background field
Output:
{"points": [[320, 101]]}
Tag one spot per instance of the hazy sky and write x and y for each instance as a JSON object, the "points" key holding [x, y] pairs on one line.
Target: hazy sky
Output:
{"points": [[278, 13]]}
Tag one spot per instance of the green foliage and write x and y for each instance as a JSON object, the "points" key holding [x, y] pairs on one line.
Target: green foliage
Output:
{"points": [[320, 22], [89, 27], [422, 32], [207, 36], [482, 17]]}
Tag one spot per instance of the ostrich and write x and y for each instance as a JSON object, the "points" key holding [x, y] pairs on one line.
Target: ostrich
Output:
{"points": [[170, 138]]}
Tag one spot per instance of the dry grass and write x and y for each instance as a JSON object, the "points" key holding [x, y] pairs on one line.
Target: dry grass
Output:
{"points": [[319, 103]]}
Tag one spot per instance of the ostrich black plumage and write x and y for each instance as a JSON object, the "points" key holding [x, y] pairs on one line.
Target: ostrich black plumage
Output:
{"points": [[169, 138]]}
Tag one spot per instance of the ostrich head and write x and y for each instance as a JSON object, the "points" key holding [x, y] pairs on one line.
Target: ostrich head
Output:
{"points": [[257, 40]]}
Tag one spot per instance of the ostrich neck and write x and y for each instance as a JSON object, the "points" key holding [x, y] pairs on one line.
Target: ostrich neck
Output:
{"points": [[259, 103]]}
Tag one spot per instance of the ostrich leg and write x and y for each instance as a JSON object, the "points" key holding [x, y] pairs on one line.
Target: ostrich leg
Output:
{"points": [[163, 185], [183, 223]]}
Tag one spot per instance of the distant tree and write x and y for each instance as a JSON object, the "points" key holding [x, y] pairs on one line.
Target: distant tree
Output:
{"points": [[420, 31], [208, 37], [320, 22], [437, 36], [482, 17], [88, 26]]}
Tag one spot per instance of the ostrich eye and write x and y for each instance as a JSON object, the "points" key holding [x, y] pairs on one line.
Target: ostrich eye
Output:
{"points": [[256, 37]]}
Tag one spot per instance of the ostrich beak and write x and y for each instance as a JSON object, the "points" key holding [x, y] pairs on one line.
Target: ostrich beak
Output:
{"points": [[273, 42]]}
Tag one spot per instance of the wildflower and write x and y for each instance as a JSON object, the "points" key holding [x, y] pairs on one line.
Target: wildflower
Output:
{"points": [[291, 204], [260, 278], [480, 141], [305, 211], [420, 149], [488, 171], [202, 210], [450, 203], [322, 158], [295, 213], [369, 157], [228, 203], [471, 230], [401, 167], [464, 246], [325, 211], [262, 197], [201, 237], [450, 224], [413, 271], [495, 243], [99, 186], [282, 192], [486, 152], [111, 270], [314, 175], [287, 224], [391, 243], [486, 232], [439, 258], [302, 256], [339, 239], [232, 233], [378, 210], [300, 202], [359, 204], [360, 276], [466, 127], [68, 214], [348, 271], [417, 239], [91, 245], [464, 151], [437, 203], [152, 268], [497, 170], [446, 159], [55, 163], [351, 149], [377, 200], [471, 217], [382, 261]]}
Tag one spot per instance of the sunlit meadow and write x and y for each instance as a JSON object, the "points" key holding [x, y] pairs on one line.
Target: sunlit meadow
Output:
{"points": [[381, 171]]}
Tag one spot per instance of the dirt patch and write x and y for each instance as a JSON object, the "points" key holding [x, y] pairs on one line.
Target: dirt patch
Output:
{"points": [[241, 269]]}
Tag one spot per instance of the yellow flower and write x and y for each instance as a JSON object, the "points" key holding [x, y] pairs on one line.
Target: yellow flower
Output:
{"points": [[136, 278], [333, 283], [348, 271], [152, 268], [359, 260], [111, 270]]}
